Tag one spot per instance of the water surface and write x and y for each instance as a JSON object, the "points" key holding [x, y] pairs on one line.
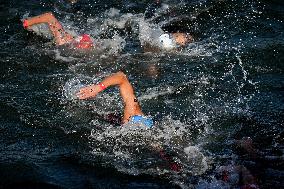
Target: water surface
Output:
{"points": [[223, 88]]}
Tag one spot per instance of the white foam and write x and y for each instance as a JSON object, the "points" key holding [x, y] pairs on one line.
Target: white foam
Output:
{"points": [[112, 46], [122, 146], [149, 33], [155, 92], [58, 56], [196, 159]]}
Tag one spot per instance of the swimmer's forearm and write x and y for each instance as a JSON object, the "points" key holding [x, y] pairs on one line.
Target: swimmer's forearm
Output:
{"points": [[91, 91], [115, 79]]}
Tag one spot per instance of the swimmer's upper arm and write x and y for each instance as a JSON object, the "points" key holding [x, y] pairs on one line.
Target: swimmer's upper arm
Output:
{"points": [[126, 90], [132, 106]]}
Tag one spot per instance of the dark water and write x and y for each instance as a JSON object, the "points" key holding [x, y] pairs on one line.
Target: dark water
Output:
{"points": [[220, 90]]}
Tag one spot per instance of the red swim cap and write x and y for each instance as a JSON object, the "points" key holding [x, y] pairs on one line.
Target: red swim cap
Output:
{"points": [[85, 42]]}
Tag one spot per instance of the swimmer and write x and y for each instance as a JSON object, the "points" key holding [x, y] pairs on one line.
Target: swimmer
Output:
{"points": [[169, 37], [61, 37], [133, 114], [153, 38], [132, 110]]}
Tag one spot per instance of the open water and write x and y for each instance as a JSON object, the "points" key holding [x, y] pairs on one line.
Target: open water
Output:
{"points": [[218, 103]]}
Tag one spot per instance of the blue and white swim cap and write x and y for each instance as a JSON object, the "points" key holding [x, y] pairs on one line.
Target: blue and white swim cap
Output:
{"points": [[166, 41], [138, 119]]}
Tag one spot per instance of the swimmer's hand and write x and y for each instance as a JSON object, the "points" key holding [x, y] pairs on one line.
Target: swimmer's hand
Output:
{"points": [[88, 92], [25, 24]]}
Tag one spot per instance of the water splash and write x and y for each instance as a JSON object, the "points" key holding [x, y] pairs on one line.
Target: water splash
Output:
{"points": [[135, 149]]}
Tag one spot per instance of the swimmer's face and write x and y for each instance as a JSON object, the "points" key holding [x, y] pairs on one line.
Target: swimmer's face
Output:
{"points": [[182, 38]]}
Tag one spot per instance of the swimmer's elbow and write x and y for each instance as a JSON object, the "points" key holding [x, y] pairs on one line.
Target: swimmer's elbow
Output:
{"points": [[49, 14], [122, 76]]}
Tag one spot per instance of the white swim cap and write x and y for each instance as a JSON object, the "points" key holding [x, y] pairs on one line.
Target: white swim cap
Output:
{"points": [[166, 42]]}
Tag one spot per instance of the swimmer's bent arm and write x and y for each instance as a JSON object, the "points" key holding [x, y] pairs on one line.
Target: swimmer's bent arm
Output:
{"points": [[131, 105], [60, 35], [118, 78]]}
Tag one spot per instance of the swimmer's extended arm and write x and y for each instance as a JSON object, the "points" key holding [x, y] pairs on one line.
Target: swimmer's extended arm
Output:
{"points": [[131, 106], [60, 35]]}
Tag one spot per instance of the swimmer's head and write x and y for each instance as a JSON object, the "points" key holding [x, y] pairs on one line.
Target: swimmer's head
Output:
{"points": [[84, 42], [174, 40]]}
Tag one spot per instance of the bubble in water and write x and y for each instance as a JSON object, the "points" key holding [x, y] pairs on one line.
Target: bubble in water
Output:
{"points": [[196, 160]]}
